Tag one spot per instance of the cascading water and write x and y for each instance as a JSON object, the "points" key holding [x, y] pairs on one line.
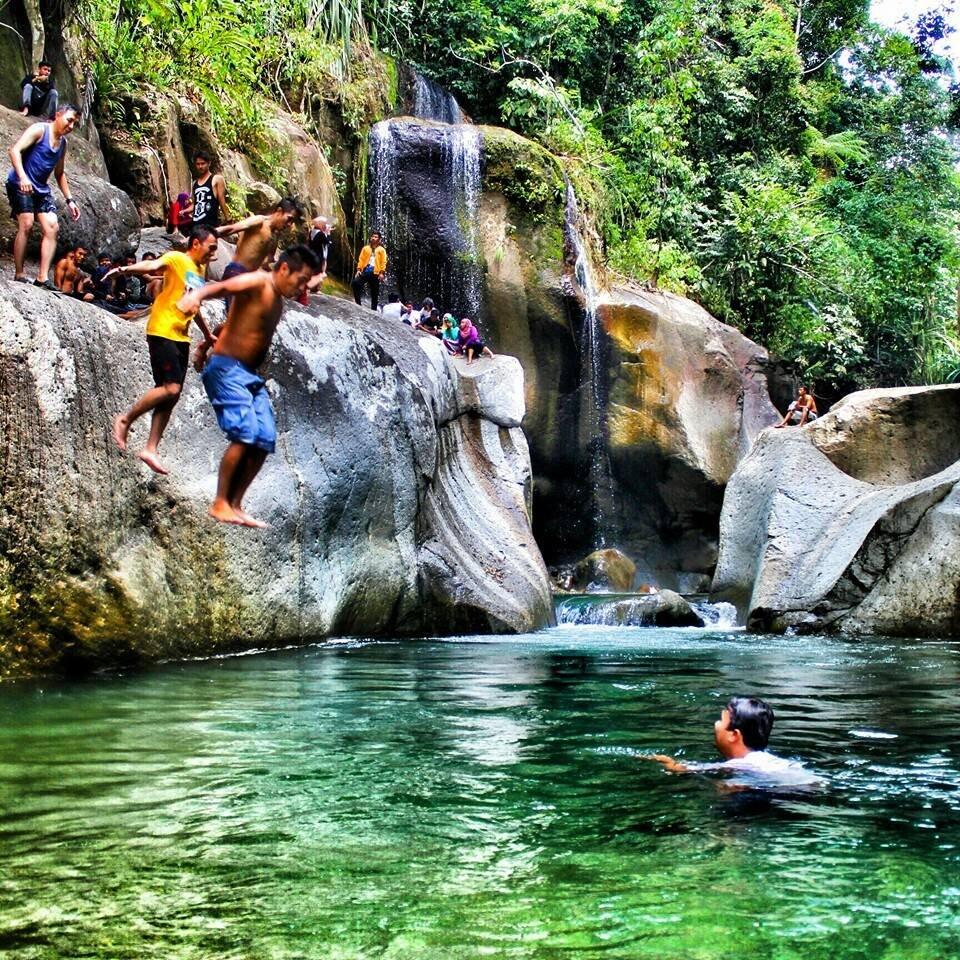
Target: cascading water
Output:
{"points": [[432, 102], [593, 380], [638, 610], [434, 251]]}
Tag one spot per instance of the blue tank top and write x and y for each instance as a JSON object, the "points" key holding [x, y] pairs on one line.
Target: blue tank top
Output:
{"points": [[39, 161]]}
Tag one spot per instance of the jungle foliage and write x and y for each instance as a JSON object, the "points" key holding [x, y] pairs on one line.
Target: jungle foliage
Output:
{"points": [[786, 162]]}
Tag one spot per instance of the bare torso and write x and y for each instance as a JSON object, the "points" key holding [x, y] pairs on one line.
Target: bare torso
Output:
{"points": [[256, 245], [65, 275], [251, 324]]}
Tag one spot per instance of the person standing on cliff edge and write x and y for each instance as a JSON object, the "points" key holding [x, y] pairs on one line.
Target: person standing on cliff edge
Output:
{"points": [[371, 270], [235, 388], [40, 151]]}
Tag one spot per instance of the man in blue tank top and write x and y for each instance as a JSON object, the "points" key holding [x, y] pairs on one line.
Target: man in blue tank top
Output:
{"points": [[41, 150]]}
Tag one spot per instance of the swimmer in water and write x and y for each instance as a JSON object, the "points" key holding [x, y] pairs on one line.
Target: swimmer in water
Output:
{"points": [[741, 735]]}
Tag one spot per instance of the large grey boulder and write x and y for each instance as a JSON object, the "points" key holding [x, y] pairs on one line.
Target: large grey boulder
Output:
{"points": [[108, 219], [398, 502], [851, 523]]}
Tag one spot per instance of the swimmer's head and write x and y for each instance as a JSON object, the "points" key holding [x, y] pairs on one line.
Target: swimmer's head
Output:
{"points": [[744, 725]]}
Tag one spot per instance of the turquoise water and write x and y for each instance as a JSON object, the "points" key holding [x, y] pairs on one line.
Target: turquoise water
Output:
{"points": [[484, 798]]}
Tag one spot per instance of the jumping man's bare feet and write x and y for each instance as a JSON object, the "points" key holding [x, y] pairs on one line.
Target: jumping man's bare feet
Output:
{"points": [[121, 427], [249, 521], [153, 462], [222, 511]]}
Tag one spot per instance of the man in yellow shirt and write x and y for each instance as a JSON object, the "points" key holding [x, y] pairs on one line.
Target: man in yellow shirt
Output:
{"points": [[371, 269], [168, 338]]}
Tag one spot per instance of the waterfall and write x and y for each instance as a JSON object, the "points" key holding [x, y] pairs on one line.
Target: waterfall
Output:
{"points": [[593, 381], [383, 175], [461, 146], [434, 248], [635, 610], [432, 102]]}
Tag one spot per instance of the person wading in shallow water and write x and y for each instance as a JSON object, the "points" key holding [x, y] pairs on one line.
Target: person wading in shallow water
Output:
{"points": [[40, 151], [167, 339], [238, 393]]}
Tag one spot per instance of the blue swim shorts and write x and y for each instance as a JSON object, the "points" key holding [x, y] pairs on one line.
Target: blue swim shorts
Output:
{"points": [[241, 402]]}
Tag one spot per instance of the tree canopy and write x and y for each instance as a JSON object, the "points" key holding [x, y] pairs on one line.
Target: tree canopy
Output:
{"points": [[786, 162]]}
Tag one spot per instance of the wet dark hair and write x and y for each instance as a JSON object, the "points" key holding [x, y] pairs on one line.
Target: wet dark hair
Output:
{"points": [[298, 257], [753, 718], [377, 234], [202, 155], [290, 205], [64, 107], [44, 63], [198, 235]]}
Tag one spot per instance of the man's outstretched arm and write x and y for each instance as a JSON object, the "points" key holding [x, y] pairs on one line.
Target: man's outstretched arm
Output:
{"points": [[190, 302], [241, 226], [674, 766]]}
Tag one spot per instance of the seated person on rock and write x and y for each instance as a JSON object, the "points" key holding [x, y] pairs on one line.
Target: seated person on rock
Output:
{"points": [[469, 342], [430, 322], [450, 333], [741, 735], [38, 93], [393, 308], [801, 411], [180, 214], [70, 278]]}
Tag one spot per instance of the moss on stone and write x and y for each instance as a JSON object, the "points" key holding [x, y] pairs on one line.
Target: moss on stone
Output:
{"points": [[529, 176]]}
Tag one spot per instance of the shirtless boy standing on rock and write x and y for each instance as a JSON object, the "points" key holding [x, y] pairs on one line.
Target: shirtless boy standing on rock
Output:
{"points": [[259, 236], [238, 393]]}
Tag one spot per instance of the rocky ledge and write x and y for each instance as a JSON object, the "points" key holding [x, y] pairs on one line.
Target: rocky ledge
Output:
{"points": [[398, 496], [850, 524]]}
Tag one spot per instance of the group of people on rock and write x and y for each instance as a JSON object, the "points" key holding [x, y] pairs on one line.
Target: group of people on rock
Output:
{"points": [[460, 337]]}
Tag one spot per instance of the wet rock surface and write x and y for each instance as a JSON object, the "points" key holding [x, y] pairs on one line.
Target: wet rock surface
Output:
{"points": [[397, 505], [851, 523]]}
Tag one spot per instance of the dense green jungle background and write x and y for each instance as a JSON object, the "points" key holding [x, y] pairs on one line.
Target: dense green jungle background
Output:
{"points": [[787, 163]]}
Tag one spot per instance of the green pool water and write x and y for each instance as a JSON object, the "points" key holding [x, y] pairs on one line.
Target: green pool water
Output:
{"points": [[484, 798]]}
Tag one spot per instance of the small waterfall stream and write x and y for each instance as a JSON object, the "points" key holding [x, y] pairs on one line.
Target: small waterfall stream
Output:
{"points": [[634, 610], [432, 102], [593, 382], [434, 247]]}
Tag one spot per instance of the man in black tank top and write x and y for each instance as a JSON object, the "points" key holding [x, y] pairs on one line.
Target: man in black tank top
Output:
{"points": [[209, 194]]}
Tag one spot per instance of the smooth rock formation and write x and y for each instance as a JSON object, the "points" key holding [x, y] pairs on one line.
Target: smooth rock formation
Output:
{"points": [[608, 569], [852, 523], [108, 220], [682, 395], [398, 502]]}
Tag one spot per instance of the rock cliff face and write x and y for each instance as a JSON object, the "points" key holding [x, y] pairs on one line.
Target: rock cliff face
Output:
{"points": [[397, 498], [683, 395], [852, 523]]}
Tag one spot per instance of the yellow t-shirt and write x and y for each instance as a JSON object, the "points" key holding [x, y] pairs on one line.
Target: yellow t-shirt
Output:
{"points": [[181, 275]]}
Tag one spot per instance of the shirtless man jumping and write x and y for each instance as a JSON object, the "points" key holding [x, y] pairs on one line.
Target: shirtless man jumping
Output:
{"points": [[259, 236], [238, 393]]}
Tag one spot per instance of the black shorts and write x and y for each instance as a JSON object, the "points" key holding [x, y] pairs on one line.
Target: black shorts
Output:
{"points": [[168, 360], [29, 202]]}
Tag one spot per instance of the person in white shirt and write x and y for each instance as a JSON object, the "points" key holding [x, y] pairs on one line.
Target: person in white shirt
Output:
{"points": [[741, 735], [393, 309]]}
